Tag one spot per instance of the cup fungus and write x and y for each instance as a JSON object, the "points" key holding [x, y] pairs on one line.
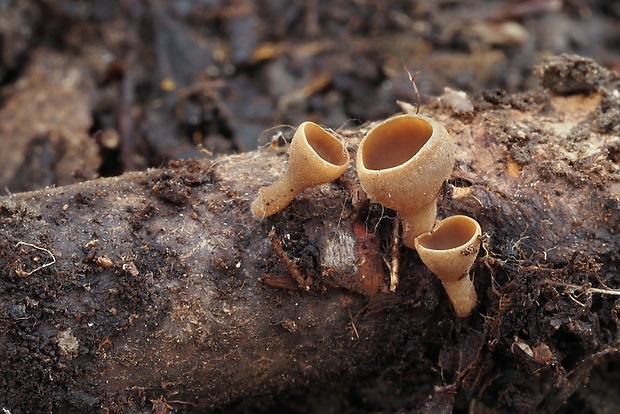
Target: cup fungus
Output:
{"points": [[449, 252], [402, 163], [315, 157]]}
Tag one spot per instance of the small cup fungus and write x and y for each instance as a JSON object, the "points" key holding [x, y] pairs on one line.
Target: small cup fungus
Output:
{"points": [[402, 163], [315, 157], [449, 252]]}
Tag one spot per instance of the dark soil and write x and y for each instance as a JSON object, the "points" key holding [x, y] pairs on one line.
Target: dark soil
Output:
{"points": [[101, 88]]}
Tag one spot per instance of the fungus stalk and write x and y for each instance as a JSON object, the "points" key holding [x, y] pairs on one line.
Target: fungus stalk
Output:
{"points": [[315, 157]]}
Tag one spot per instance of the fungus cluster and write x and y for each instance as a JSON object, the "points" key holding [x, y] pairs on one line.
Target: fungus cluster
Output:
{"points": [[402, 164]]}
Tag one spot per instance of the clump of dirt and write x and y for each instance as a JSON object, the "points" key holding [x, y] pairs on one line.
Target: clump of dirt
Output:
{"points": [[567, 75]]}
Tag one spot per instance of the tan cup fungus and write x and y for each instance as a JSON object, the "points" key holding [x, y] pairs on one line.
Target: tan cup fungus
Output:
{"points": [[449, 252], [315, 157], [402, 164]]}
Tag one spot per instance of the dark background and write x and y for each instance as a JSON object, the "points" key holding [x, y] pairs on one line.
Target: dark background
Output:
{"points": [[229, 75]]}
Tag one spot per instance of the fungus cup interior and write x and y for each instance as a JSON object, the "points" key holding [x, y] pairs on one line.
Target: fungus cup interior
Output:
{"points": [[449, 235], [395, 142], [325, 145]]}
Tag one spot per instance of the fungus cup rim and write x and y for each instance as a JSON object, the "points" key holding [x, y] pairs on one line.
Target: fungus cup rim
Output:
{"points": [[442, 237], [325, 145], [374, 142]]}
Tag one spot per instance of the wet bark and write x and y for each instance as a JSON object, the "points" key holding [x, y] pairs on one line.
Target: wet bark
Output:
{"points": [[159, 289]]}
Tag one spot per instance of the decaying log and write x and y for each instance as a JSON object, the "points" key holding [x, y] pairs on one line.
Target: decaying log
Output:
{"points": [[159, 290]]}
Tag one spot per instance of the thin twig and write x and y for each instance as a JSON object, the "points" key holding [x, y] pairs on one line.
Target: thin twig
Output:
{"points": [[290, 265], [415, 87]]}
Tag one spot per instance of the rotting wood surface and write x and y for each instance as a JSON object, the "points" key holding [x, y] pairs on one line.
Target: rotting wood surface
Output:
{"points": [[158, 290]]}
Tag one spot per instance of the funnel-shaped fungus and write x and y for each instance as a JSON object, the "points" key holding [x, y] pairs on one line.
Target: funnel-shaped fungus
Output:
{"points": [[449, 252], [315, 157], [402, 163]]}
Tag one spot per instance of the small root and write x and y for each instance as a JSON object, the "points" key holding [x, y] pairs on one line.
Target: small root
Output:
{"points": [[290, 265], [584, 289], [395, 251], [357, 335], [44, 265]]}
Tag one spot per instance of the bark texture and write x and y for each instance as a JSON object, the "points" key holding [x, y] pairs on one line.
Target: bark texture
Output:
{"points": [[159, 290]]}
